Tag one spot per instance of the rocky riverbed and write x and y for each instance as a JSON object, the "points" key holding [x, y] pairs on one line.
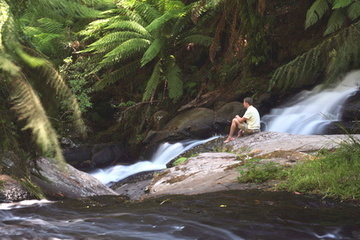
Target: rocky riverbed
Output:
{"points": [[209, 168], [217, 170]]}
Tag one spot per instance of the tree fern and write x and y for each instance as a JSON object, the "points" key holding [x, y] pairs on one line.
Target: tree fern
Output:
{"points": [[18, 67], [153, 82], [130, 26], [114, 76], [336, 55], [174, 81], [316, 12], [152, 51], [146, 33], [341, 3], [354, 10], [336, 21], [126, 50], [28, 106]]}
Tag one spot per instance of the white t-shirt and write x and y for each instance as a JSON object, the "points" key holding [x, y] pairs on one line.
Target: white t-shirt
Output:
{"points": [[252, 118]]}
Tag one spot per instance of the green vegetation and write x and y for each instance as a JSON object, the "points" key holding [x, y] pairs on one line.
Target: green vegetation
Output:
{"points": [[254, 171], [334, 174], [336, 54], [179, 161], [143, 56]]}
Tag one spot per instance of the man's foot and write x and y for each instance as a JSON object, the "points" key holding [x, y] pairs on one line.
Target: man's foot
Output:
{"points": [[229, 139], [240, 133]]}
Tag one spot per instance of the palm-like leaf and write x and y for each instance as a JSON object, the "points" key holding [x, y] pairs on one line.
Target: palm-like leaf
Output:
{"points": [[153, 82], [316, 11], [112, 77], [150, 32], [28, 106], [18, 64], [126, 50], [175, 83], [152, 51]]}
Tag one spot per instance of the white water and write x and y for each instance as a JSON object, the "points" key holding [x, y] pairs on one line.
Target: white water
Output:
{"points": [[310, 111], [164, 154]]}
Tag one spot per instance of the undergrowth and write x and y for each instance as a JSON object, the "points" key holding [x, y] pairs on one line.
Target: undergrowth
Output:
{"points": [[254, 171], [333, 174]]}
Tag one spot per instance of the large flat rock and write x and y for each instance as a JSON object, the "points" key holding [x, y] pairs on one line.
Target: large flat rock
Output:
{"points": [[217, 171]]}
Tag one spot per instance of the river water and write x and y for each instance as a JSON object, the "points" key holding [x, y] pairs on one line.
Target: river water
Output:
{"points": [[309, 112], [225, 215]]}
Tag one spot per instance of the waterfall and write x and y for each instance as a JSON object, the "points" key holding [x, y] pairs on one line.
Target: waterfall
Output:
{"points": [[310, 111], [163, 155]]}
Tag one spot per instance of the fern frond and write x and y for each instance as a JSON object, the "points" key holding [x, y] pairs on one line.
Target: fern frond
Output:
{"points": [[153, 82], [152, 51], [175, 83], [338, 54], [199, 39], [341, 3], [28, 106], [129, 26], [147, 12], [44, 40], [117, 75], [8, 66], [56, 82], [94, 28], [51, 25], [354, 10], [69, 8], [126, 50], [336, 21], [159, 22], [316, 12], [110, 41]]}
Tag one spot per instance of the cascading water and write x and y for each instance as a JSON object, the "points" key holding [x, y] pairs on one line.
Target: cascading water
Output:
{"points": [[164, 154], [310, 111]]}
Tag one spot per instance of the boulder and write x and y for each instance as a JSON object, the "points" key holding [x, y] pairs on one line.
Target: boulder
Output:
{"points": [[226, 113], [64, 181], [351, 108], [217, 171], [196, 123], [12, 191], [95, 156]]}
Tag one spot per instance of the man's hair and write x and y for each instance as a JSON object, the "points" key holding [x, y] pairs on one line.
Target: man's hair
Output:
{"points": [[248, 100]]}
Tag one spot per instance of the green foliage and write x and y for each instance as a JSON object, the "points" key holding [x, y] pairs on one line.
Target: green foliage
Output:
{"points": [[78, 78], [239, 30], [342, 9], [147, 35], [334, 174], [25, 74], [334, 56], [179, 161], [254, 171], [49, 25]]}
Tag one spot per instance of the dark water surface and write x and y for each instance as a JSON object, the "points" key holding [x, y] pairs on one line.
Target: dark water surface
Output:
{"points": [[223, 215]]}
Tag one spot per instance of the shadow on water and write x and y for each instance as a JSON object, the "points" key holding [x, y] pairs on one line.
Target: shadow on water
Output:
{"points": [[249, 214]]}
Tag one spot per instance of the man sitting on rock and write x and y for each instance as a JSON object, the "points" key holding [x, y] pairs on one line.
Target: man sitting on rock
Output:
{"points": [[248, 124]]}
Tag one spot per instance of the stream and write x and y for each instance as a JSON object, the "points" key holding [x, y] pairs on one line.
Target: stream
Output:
{"points": [[226, 215], [246, 214]]}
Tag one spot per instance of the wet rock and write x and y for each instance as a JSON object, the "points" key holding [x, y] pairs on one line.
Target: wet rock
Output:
{"points": [[96, 156], [226, 113], [59, 182], [12, 191], [196, 123], [217, 171]]}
